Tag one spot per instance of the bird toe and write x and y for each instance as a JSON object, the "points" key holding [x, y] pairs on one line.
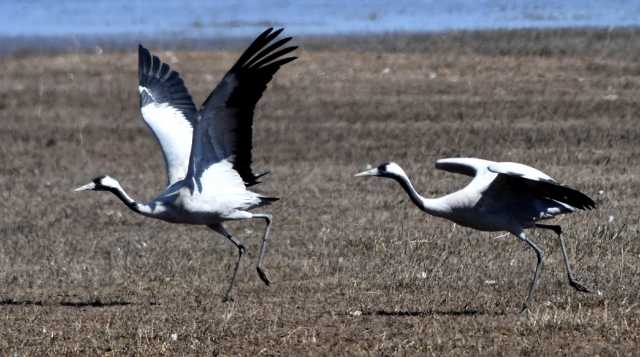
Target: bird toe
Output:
{"points": [[524, 309], [264, 276], [578, 286]]}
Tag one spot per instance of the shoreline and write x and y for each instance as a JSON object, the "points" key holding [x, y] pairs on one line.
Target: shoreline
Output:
{"points": [[474, 40]]}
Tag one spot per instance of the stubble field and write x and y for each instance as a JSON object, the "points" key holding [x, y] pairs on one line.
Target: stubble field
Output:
{"points": [[357, 268]]}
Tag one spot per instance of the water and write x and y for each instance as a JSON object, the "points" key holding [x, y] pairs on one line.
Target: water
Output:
{"points": [[78, 22]]}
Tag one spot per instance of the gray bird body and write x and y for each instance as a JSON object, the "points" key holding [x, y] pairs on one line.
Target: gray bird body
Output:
{"points": [[502, 196], [179, 205], [207, 152], [497, 202]]}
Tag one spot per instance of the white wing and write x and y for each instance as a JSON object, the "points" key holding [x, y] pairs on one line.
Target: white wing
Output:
{"points": [[542, 185], [519, 170], [168, 110], [465, 166], [221, 152]]}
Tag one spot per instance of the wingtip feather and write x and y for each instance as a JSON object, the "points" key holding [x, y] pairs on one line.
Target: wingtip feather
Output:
{"points": [[252, 72]]}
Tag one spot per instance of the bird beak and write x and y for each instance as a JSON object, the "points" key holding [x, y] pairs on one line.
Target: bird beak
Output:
{"points": [[90, 186], [372, 172]]}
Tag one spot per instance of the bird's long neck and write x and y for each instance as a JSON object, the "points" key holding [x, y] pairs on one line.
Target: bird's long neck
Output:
{"points": [[133, 205], [436, 207]]}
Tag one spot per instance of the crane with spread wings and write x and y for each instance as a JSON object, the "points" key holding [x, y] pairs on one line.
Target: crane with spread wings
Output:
{"points": [[207, 152]]}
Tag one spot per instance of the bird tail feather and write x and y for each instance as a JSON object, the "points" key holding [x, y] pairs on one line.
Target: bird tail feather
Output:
{"points": [[267, 200]]}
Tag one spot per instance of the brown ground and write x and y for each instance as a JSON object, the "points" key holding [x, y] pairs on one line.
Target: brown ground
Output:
{"points": [[82, 275]]}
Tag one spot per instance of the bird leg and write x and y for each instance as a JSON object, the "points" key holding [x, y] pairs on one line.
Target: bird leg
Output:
{"points": [[572, 281], [540, 254], [220, 229], [261, 272]]}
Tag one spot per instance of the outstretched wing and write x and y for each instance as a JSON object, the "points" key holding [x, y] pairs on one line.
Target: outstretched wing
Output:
{"points": [[465, 166], [543, 185], [223, 132], [168, 110]]}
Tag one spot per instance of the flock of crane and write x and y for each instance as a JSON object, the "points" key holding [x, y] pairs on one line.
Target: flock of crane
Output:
{"points": [[207, 154]]}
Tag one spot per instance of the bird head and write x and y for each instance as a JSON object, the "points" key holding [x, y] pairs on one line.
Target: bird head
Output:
{"points": [[388, 169], [101, 183]]}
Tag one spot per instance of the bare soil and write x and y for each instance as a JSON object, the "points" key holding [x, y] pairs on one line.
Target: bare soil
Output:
{"points": [[357, 268]]}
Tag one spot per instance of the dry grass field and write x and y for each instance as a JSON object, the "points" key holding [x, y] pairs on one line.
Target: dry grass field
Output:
{"points": [[357, 268]]}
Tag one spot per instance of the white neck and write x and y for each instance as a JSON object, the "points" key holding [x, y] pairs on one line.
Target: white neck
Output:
{"points": [[433, 206], [141, 208]]}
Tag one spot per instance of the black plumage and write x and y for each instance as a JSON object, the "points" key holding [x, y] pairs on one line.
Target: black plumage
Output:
{"points": [[253, 71], [561, 193], [164, 85]]}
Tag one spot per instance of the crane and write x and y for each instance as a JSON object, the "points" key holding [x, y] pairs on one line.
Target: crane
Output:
{"points": [[502, 196], [207, 152]]}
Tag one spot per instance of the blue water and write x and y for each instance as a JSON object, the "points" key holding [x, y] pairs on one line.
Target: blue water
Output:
{"points": [[175, 19]]}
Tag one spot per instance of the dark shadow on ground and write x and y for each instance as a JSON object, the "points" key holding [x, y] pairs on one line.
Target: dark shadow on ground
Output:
{"points": [[24, 302], [428, 313], [95, 303]]}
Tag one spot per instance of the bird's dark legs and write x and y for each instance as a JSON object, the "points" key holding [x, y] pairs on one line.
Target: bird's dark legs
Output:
{"points": [[220, 229], [235, 272], [540, 254], [572, 281], [261, 271]]}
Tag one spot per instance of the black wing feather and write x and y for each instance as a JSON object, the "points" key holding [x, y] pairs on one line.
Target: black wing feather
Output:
{"points": [[252, 77], [275, 56], [258, 43], [268, 50], [165, 85], [560, 193]]}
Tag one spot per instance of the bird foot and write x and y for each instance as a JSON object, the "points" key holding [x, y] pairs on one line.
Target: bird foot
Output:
{"points": [[525, 308], [264, 276], [578, 286], [227, 298]]}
